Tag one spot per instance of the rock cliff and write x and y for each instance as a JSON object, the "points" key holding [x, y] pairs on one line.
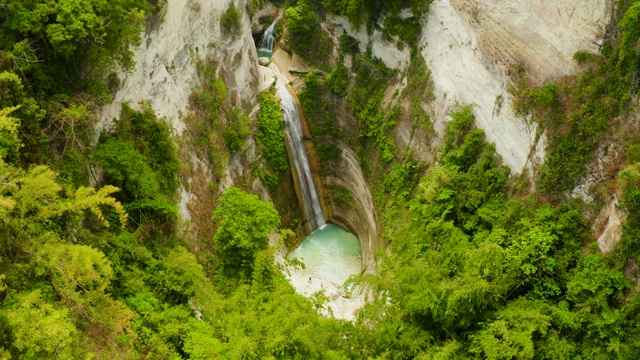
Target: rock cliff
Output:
{"points": [[470, 46], [165, 72]]}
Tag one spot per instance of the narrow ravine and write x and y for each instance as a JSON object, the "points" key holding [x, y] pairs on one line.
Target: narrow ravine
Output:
{"points": [[330, 254]]}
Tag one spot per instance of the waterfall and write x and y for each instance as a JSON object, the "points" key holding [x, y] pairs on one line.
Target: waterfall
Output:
{"points": [[268, 41], [293, 128]]}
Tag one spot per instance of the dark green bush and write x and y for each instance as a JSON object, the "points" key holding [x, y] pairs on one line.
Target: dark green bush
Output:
{"points": [[408, 30], [348, 44], [271, 132], [338, 79], [152, 138], [236, 131], [231, 20]]}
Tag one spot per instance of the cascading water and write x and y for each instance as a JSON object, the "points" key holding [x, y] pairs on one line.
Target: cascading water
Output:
{"points": [[330, 254], [293, 128], [268, 41]]}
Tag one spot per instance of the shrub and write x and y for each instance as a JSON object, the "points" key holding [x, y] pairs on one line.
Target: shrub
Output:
{"points": [[236, 131], [123, 166], [337, 80], [244, 225], [348, 44], [151, 138], [462, 120], [408, 30], [271, 132], [231, 21]]}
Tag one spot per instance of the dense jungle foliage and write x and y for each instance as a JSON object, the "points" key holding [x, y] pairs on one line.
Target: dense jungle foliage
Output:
{"points": [[93, 265]]}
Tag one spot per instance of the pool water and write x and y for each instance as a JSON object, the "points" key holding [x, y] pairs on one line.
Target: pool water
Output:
{"points": [[264, 53], [329, 253]]}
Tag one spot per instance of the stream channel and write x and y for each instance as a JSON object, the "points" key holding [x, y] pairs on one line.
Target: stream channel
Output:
{"points": [[330, 254]]}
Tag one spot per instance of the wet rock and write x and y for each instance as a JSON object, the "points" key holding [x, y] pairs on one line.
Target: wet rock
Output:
{"points": [[264, 61]]}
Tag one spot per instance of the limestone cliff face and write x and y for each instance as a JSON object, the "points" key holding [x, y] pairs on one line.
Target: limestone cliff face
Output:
{"points": [[462, 74], [165, 72], [542, 36], [354, 210], [165, 76], [471, 47]]}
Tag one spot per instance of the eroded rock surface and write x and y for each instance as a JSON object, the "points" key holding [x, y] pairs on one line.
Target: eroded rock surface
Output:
{"points": [[608, 226], [380, 48], [165, 71], [356, 212], [165, 75], [542, 36], [471, 47]]}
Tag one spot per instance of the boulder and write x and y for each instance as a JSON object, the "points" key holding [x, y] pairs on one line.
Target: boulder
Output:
{"points": [[264, 61]]}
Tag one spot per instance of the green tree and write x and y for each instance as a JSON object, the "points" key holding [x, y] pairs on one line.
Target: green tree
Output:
{"points": [[9, 139], [37, 195], [80, 275], [106, 27], [71, 125], [337, 80], [244, 225], [594, 285], [11, 90], [124, 167], [512, 334], [38, 328], [28, 116]]}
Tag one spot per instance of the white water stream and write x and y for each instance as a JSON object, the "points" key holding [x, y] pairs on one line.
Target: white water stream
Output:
{"points": [[330, 254], [268, 41], [295, 136]]}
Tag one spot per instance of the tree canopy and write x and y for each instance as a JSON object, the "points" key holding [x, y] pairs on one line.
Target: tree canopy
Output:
{"points": [[95, 261]]}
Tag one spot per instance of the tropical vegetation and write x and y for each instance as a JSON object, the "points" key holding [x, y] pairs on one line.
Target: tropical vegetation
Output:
{"points": [[476, 264]]}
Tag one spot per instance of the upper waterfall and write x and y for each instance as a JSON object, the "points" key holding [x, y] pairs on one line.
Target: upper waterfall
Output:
{"points": [[293, 129], [268, 41]]}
